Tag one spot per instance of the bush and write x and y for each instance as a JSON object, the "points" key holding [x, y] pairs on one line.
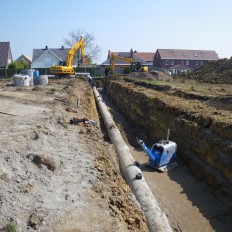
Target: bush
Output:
{"points": [[126, 70], [108, 70], [18, 65]]}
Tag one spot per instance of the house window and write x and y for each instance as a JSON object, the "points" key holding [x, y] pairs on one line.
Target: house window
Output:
{"points": [[197, 62], [182, 62], [171, 62], [187, 62], [166, 62], [202, 62]]}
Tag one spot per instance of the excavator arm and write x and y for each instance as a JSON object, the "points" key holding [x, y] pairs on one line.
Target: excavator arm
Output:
{"points": [[113, 57], [136, 65], [71, 52]]}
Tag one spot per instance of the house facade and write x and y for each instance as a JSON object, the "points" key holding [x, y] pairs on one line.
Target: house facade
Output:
{"points": [[5, 54], [167, 58], [46, 57], [179, 68]]}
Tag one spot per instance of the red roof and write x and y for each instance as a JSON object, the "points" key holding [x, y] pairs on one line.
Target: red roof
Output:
{"points": [[183, 54], [147, 56]]}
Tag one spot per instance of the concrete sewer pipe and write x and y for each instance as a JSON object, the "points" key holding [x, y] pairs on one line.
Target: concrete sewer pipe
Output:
{"points": [[156, 219]]}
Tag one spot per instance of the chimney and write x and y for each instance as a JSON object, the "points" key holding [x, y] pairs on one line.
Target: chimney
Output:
{"points": [[131, 53], [62, 47], [46, 47]]}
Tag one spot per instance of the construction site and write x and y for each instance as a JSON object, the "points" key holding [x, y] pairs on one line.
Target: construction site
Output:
{"points": [[62, 170]]}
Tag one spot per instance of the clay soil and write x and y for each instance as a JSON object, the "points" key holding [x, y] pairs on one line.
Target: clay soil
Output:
{"points": [[55, 176]]}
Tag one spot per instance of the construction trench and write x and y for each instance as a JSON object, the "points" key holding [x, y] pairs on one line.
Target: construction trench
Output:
{"points": [[204, 154], [61, 177]]}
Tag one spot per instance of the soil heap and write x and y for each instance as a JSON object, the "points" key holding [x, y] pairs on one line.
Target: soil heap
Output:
{"points": [[214, 72]]}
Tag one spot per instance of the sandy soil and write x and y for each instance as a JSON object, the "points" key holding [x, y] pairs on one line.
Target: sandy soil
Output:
{"points": [[56, 176]]}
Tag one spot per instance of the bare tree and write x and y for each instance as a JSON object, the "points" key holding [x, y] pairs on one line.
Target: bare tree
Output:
{"points": [[92, 50]]}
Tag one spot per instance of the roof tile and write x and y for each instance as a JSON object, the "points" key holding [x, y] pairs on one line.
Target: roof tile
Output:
{"points": [[184, 54]]}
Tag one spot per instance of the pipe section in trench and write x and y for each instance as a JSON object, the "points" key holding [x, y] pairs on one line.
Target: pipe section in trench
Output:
{"points": [[156, 219]]}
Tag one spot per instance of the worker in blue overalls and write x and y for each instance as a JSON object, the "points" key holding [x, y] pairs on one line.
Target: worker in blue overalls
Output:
{"points": [[90, 80]]}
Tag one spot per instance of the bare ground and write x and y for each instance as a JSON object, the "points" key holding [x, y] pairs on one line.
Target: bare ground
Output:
{"points": [[55, 176]]}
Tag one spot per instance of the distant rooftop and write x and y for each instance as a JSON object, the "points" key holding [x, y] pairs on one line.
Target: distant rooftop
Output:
{"points": [[187, 54]]}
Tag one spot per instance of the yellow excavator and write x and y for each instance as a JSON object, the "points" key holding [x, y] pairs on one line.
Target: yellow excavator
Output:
{"points": [[65, 68], [135, 66]]}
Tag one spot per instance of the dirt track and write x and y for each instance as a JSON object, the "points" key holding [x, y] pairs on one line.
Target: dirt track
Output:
{"points": [[55, 176]]}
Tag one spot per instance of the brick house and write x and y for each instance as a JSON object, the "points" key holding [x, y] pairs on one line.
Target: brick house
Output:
{"points": [[167, 58], [5, 54]]}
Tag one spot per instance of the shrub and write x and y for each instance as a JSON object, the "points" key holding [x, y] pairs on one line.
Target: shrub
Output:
{"points": [[18, 65], [108, 70], [126, 70], [11, 228]]}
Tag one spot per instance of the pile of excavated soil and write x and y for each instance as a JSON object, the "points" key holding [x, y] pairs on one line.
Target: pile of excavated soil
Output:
{"points": [[215, 72], [152, 75], [56, 176]]}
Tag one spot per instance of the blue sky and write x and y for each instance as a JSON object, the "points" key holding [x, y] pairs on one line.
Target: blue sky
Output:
{"points": [[119, 25]]}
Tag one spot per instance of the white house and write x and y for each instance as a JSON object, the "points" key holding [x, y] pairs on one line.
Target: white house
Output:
{"points": [[46, 57]]}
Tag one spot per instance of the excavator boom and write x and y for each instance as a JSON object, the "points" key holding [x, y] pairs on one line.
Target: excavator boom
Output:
{"points": [[71, 52], [136, 65], [113, 57]]}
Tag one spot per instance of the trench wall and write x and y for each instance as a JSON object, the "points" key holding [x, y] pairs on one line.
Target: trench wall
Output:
{"points": [[203, 143]]}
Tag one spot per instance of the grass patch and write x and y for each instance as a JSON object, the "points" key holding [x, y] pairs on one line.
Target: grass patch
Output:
{"points": [[6, 79], [154, 82], [11, 228], [36, 88], [52, 91]]}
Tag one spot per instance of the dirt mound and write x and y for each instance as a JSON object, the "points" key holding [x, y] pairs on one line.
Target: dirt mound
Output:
{"points": [[152, 75], [215, 72]]}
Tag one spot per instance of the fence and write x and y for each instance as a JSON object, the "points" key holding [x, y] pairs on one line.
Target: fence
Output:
{"points": [[95, 71]]}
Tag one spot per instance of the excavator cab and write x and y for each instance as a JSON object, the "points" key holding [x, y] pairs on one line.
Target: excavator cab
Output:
{"points": [[137, 66], [61, 63]]}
